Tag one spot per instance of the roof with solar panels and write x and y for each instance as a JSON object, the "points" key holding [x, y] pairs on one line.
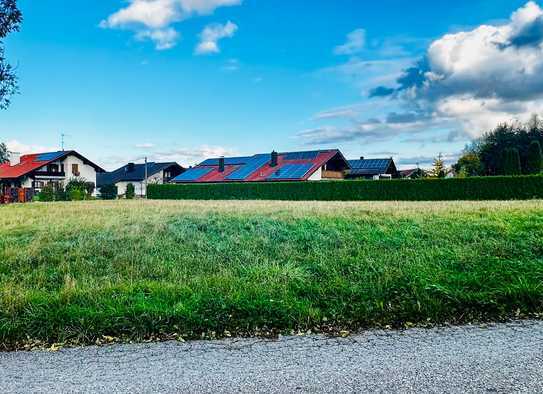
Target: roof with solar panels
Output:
{"points": [[32, 162], [274, 167], [372, 167]]}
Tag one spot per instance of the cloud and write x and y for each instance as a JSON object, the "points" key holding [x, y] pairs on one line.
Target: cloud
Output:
{"points": [[480, 77], [186, 156], [153, 19], [22, 148], [145, 146], [462, 85], [427, 161], [211, 35], [163, 38], [356, 41], [231, 65]]}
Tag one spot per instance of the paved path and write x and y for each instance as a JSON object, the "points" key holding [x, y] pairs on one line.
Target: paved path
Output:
{"points": [[498, 358]]}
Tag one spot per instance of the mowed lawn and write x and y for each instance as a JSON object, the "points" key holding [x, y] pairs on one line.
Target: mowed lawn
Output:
{"points": [[142, 269]]}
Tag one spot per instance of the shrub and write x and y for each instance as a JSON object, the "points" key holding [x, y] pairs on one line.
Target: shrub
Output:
{"points": [[108, 192], [76, 194], [534, 162], [473, 188], [46, 194], [130, 191]]}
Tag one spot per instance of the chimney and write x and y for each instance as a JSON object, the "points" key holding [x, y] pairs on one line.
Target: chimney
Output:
{"points": [[361, 157], [130, 167], [14, 158], [273, 162], [221, 164]]}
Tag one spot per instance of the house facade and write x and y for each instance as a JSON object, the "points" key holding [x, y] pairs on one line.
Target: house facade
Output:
{"points": [[269, 167], [157, 173], [35, 171]]}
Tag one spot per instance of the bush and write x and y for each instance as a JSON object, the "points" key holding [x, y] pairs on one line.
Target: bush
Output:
{"points": [[473, 188], [130, 191], [108, 192], [46, 194]]}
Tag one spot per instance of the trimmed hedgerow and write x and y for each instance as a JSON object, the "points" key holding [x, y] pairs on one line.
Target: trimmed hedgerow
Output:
{"points": [[476, 188]]}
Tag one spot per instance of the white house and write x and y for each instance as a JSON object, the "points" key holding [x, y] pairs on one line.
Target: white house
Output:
{"points": [[51, 168], [157, 173]]}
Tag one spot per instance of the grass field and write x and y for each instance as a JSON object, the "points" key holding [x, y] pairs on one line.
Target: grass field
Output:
{"points": [[140, 269]]}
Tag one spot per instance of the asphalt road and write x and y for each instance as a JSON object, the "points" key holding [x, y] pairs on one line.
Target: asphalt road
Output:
{"points": [[497, 358]]}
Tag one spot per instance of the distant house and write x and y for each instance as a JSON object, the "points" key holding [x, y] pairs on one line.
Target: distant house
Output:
{"points": [[413, 173], [372, 169], [269, 167], [51, 168], [157, 173]]}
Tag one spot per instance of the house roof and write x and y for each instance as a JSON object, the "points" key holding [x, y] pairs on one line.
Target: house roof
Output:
{"points": [[291, 166], [32, 162], [370, 166], [134, 174]]}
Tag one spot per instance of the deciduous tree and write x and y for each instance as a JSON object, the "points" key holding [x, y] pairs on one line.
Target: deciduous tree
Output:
{"points": [[10, 20]]}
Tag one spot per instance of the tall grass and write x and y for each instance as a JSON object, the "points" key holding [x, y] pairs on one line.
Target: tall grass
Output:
{"points": [[78, 271]]}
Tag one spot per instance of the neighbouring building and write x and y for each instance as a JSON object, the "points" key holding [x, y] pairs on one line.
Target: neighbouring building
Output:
{"points": [[52, 168], [413, 173], [157, 173], [372, 169], [274, 167]]}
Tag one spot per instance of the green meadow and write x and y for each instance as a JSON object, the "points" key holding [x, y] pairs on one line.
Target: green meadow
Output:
{"points": [[81, 271]]}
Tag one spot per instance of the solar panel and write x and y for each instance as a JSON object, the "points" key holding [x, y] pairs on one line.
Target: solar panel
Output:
{"points": [[192, 174], [249, 168], [49, 156], [369, 163], [291, 171], [301, 155]]}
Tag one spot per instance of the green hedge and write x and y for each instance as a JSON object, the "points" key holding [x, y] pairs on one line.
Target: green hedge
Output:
{"points": [[477, 188]]}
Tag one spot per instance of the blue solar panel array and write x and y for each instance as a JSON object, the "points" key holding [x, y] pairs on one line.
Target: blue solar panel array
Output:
{"points": [[249, 168], [50, 156], [229, 161], [291, 171], [370, 163], [312, 155], [193, 174]]}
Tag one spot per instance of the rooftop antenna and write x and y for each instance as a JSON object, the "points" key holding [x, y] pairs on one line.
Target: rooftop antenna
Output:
{"points": [[62, 137]]}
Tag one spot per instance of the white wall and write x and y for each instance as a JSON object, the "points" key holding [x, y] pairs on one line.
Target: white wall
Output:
{"points": [[316, 176], [139, 187]]}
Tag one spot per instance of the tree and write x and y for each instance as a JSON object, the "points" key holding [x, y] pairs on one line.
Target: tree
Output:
{"points": [[511, 159], [534, 161], [10, 20], [4, 154], [439, 167], [130, 191], [469, 164]]}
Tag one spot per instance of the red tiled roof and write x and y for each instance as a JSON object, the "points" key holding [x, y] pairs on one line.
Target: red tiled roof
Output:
{"points": [[27, 164], [261, 173]]}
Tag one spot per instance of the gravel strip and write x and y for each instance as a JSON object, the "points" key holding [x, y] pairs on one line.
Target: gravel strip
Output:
{"points": [[495, 358]]}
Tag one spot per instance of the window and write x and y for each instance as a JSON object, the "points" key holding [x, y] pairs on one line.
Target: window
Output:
{"points": [[53, 168], [75, 169]]}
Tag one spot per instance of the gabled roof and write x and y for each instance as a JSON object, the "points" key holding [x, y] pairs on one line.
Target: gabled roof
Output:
{"points": [[370, 166], [132, 173], [291, 166], [33, 162]]}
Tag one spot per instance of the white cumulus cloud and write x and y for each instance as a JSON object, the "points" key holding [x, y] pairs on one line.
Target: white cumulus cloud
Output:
{"points": [[153, 19], [210, 36]]}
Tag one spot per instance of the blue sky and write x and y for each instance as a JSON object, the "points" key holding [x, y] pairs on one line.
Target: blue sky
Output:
{"points": [[186, 79]]}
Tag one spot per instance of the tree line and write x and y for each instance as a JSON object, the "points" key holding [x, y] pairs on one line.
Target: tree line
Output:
{"points": [[510, 149]]}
